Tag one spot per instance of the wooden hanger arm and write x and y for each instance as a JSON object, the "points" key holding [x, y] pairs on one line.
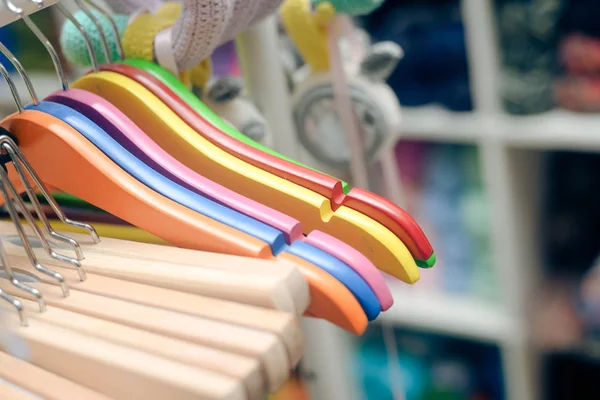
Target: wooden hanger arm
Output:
{"points": [[245, 369], [43, 383], [284, 325], [236, 339], [247, 288], [119, 372], [269, 270], [8, 391]]}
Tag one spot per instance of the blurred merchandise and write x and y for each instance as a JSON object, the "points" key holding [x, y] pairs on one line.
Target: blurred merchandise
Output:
{"points": [[431, 33], [571, 222], [443, 189], [432, 367], [528, 34]]}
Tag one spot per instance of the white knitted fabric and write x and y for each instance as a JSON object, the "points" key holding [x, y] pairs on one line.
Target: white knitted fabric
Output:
{"points": [[130, 6], [204, 24]]}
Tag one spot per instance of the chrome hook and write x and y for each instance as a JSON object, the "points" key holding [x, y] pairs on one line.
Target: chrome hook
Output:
{"points": [[92, 17], [38, 33], [113, 27]]}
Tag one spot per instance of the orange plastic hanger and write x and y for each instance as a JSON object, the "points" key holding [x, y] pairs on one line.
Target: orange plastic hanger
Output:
{"points": [[64, 159]]}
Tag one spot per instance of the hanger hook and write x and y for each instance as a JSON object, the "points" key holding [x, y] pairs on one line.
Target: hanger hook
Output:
{"points": [[86, 37], [12, 87], [12, 197], [113, 27], [4, 183], [19, 67], [42, 38], [19, 161], [15, 303], [92, 17]]}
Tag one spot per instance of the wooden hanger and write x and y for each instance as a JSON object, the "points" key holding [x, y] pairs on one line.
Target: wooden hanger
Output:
{"points": [[330, 299], [8, 391], [245, 369], [231, 338], [384, 249], [260, 289], [42, 383], [283, 325], [189, 108], [119, 372]]}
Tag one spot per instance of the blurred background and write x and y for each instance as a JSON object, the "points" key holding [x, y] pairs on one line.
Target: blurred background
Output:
{"points": [[498, 157]]}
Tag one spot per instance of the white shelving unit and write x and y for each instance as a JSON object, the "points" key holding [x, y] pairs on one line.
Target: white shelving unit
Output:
{"points": [[509, 149]]}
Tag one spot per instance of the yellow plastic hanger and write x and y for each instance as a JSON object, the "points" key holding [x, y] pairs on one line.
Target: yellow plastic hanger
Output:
{"points": [[165, 127]]}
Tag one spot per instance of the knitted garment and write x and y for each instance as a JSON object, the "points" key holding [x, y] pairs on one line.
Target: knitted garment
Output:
{"points": [[205, 24], [131, 6], [72, 42]]}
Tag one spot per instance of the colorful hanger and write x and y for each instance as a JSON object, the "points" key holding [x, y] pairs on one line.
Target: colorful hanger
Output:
{"points": [[384, 249], [66, 160], [113, 121], [384, 211], [187, 105]]}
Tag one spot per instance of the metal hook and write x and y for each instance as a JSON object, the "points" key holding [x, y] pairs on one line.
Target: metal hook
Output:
{"points": [[92, 17], [17, 159], [12, 87], [19, 201], [17, 156], [4, 182], [10, 202], [14, 302], [88, 41], [113, 27], [19, 67], [38, 33]]}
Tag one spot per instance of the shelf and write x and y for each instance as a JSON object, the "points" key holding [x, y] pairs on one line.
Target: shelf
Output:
{"points": [[554, 130], [438, 124], [452, 315]]}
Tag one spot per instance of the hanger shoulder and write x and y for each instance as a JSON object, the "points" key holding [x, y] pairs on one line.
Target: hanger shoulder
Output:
{"points": [[331, 300], [64, 159], [245, 369], [41, 382], [392, 217], [355, 260], [126, 373]]}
